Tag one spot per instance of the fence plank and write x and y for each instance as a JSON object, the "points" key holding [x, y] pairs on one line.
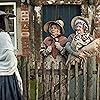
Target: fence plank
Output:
{"points": [[36, 81], [60, 77], [24, 76], [98, 79], [84, 79], [68, 81], [52, 81], [43, 76], [89, 79], [76, 82]]}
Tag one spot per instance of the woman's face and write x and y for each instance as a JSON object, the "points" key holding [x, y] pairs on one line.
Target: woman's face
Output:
{"points": [[54, 30], [79, 28]]}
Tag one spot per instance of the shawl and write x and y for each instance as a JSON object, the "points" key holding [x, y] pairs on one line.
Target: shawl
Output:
{"points": [[8, 60], [50, 41], [79, 41]]}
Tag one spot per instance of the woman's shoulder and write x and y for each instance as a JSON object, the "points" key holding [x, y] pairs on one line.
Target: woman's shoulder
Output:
{"points": [[70, 37], [4, 35], [47, 38], [64, 38]]}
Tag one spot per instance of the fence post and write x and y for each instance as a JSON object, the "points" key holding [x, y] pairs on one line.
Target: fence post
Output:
{"points": [[98, 79], [24, 78], [68, 81], [52, 81], [60, 77], [84, 79], [36, 81], [89, 79], [76, 82]]}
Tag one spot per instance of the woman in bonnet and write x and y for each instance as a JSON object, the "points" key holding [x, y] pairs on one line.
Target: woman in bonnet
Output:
{"points": [[10, 80], [53, 57], [82, 45]]}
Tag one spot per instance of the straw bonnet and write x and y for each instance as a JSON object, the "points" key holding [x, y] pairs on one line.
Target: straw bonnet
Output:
{"points": [[80, 19], [2, 13], [58, 22]]}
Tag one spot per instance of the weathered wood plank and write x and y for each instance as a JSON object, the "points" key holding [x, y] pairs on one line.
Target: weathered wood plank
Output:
{"points": [[98, 79], [76, 82]]}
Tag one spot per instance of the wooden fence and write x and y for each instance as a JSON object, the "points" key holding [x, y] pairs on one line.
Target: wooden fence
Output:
{"points": [[65, 76]]}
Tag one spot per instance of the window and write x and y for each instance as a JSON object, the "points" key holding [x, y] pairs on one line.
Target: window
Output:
{"points": [[10, 7]]}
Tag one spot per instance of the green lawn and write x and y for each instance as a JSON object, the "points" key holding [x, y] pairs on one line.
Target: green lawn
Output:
{"points": [[32, 90]]}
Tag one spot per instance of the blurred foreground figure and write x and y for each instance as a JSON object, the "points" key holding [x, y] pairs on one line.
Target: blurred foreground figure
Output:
{"points": [[10, 80]]}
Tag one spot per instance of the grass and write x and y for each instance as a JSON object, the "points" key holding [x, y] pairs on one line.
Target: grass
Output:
{"points": [[32, 90]]}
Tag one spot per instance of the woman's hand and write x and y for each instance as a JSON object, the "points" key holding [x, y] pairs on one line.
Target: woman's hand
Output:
{"points": [[58, 46], [82, 55], [49, 48]]}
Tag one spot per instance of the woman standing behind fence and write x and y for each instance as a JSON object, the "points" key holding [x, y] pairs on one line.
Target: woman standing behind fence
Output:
{"points": [[54, 60], [81, 45], [10, 81]]}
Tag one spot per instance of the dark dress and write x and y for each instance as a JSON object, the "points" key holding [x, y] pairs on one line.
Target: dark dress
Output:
{"points": [[9, 88]]}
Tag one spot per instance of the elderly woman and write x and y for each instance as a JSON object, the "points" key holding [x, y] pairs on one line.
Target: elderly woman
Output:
{"points": [[81, 44], [54, 59], [10, 80], [81, 37]]}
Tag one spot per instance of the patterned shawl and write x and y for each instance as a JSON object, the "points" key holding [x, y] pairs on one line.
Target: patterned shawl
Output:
{"points": [[80, 41]]}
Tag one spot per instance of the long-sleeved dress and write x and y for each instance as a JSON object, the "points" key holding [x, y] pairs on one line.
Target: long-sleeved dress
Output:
{"points": [[54, 62], [76, 43]]}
